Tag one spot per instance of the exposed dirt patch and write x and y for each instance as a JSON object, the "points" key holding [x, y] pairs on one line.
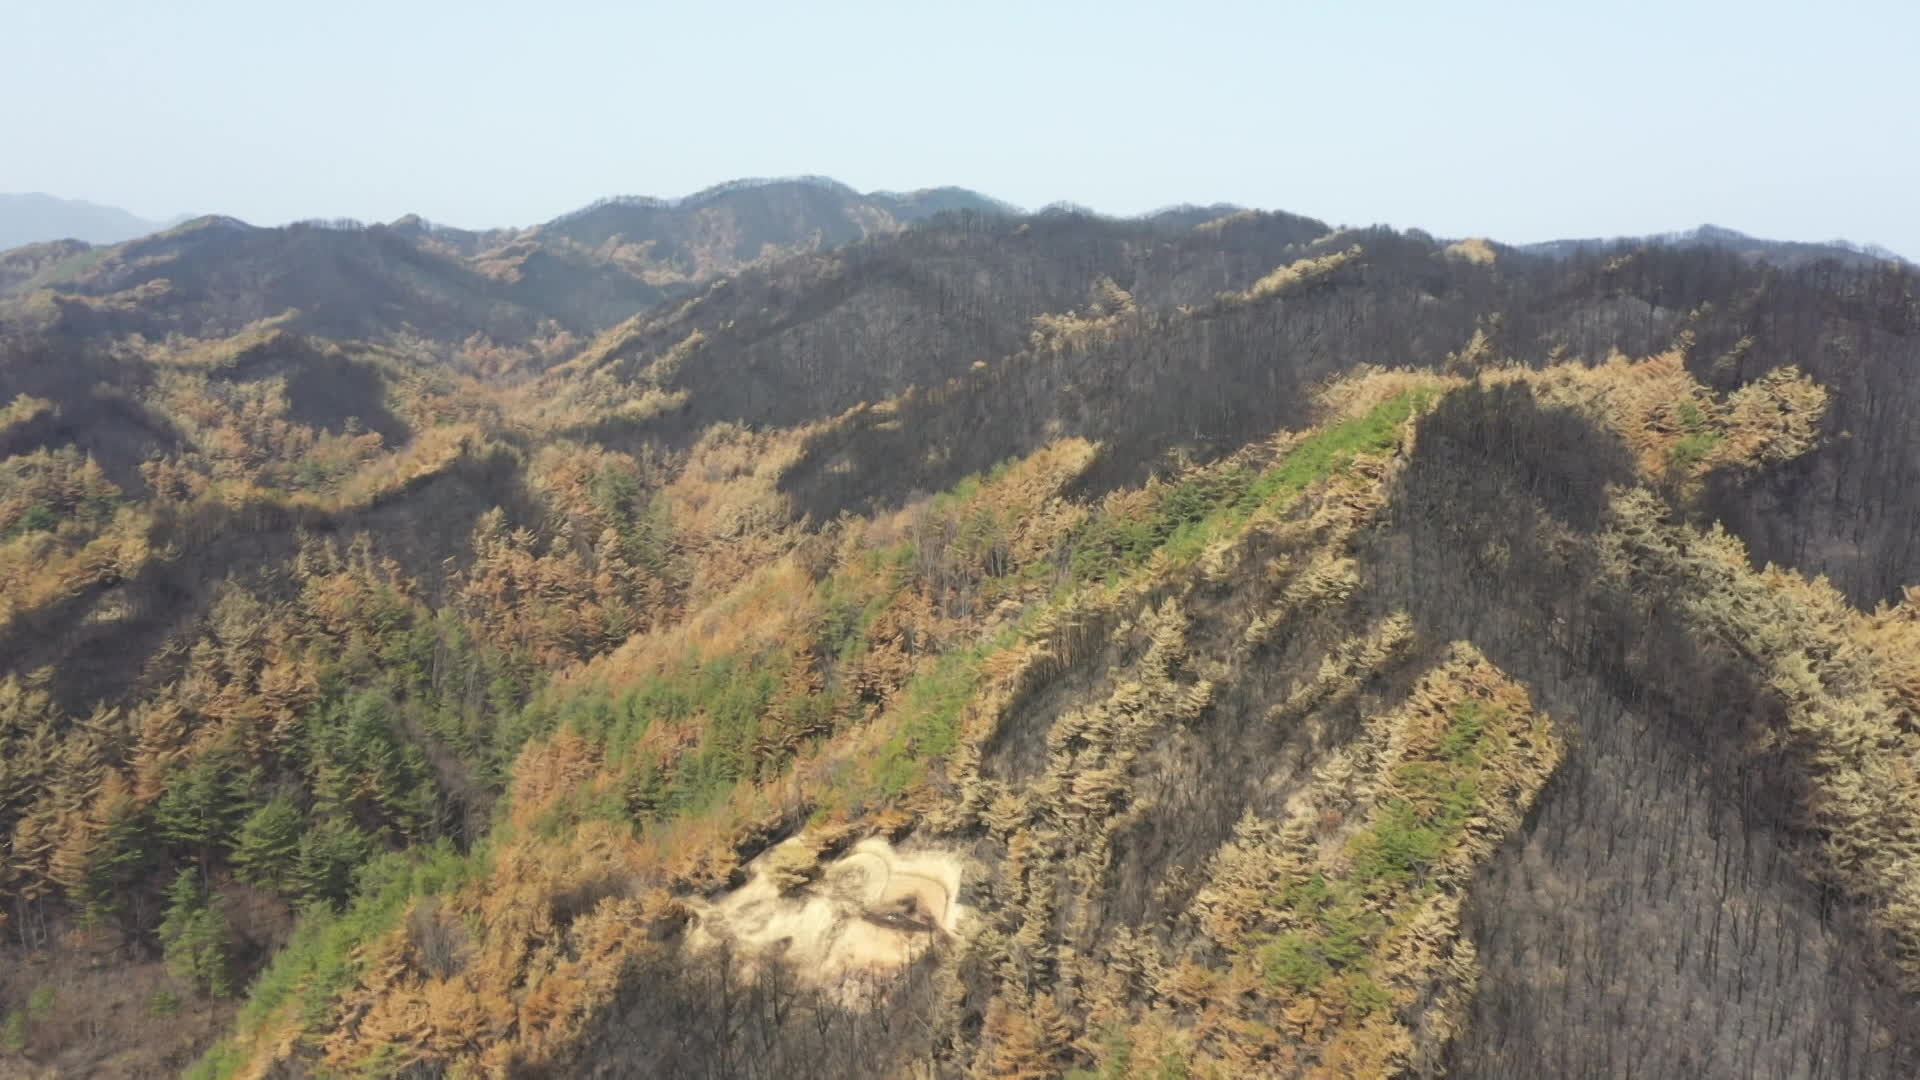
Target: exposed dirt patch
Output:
{"points": [[870, 913]]}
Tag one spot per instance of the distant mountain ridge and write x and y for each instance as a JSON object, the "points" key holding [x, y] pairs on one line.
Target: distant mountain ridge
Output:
{"points": [[1783, 252], [535, 290], [919, 203], [36, 217], [787, 210], [577, 273]]}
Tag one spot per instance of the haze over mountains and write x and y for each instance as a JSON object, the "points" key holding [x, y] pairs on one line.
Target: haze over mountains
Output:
{"points": [[35, 217], [787, 632], [839, 211]]}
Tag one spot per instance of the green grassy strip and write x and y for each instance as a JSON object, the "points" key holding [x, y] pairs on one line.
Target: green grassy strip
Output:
{"points": [[1193, 513], [1339, 922]]}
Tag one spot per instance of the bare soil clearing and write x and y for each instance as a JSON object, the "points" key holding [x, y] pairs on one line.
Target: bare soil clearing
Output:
{"points": [[871, 912]]}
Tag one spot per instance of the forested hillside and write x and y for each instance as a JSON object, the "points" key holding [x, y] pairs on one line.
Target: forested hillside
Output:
{"points": [[790, 633]]}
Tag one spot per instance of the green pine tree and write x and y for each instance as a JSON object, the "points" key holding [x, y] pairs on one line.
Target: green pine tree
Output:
{"points": [[196, 937], [267, 850], [329, 853], [203, 805]]}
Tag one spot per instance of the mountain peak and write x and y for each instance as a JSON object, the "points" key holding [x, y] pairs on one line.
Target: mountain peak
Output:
{"points": [[1717, 234]]}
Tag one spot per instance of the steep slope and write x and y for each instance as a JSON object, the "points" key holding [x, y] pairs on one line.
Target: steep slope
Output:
{"points": [[1659, 888], [1320, 658]]}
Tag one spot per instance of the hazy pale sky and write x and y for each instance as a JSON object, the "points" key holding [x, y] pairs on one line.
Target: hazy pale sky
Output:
{"points": [[1518, 120]]}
